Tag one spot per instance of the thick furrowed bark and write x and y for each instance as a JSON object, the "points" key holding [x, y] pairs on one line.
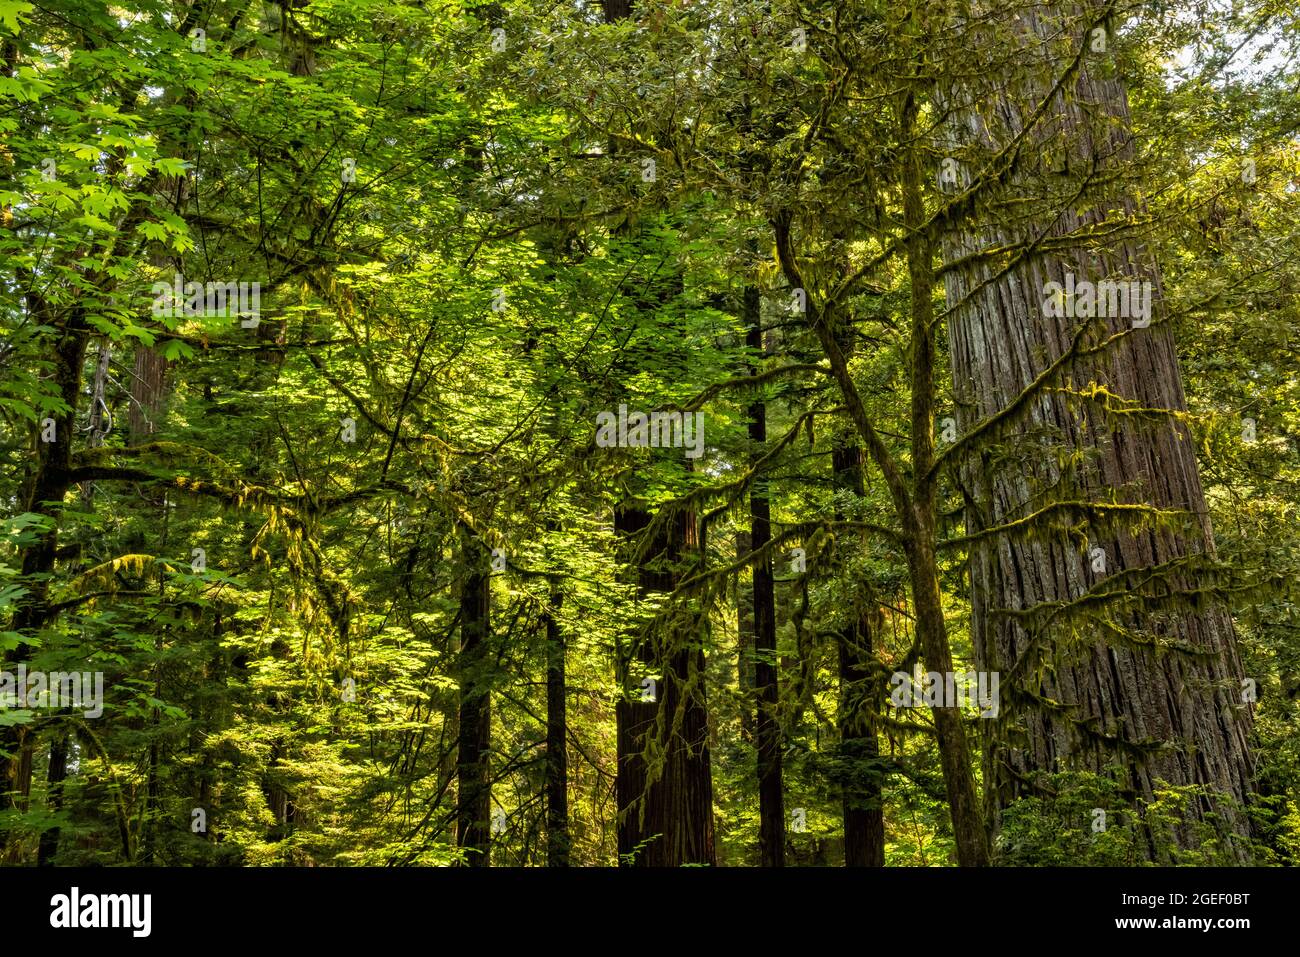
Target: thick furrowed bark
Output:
{"points": [[665, 783], [1117, 699]]}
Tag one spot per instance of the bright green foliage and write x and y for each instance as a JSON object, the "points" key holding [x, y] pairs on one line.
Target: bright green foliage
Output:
{"points": [[463, 258]]}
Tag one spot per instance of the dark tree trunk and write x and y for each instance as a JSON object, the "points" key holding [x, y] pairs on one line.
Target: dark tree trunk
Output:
{"points": [[914, 498], [771, 798], [473, 783], [1113, 698], [864, 815], [149, 817], [557, 761], [665, 784], [58, 773], [969, 831], [634, 715], [745, 638], [47, 489], [100, 423]]}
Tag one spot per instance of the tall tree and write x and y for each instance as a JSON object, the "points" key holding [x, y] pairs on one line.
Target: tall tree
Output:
{"points": [[665, 782], [863, 791], [1087, 402], [474, 738], [767, 735], [557, 736]]}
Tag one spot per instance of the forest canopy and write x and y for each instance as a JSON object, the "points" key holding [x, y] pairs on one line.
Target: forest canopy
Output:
{"points": [[649, 433]]}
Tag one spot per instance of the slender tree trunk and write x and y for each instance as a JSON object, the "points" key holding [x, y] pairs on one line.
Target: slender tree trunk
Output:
{"points": [[473, 782], [634, 714], [771, 798], [1112, 700], [149, 816], [745, 637], [864, 815], [915, 501], [47, 489], [917, 508], [557, 760], [100, 423], [101, 419], [58, 773], [969, 831]]}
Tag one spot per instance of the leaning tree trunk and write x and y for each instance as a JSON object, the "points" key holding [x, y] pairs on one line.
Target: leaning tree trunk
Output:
{"points": [[1076, 697]]}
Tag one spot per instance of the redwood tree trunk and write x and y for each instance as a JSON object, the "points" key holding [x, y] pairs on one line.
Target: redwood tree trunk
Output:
{"points": [[148, 387], [1113, 697], [665, 806]]}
